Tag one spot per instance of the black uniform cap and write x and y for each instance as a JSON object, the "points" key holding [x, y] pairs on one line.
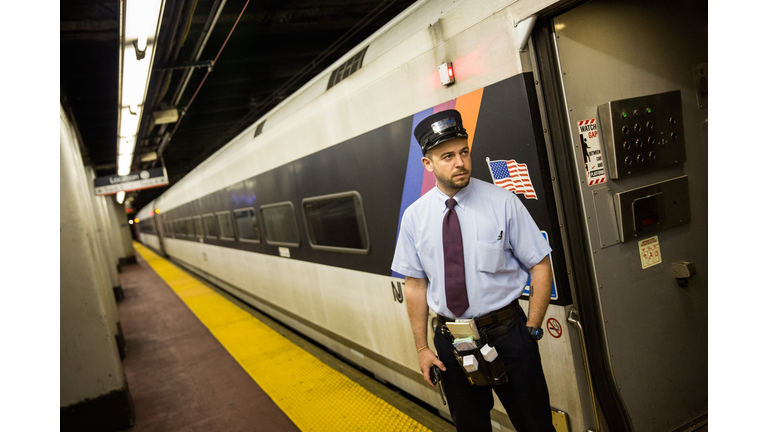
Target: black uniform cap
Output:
{"points": [[438, 128]]}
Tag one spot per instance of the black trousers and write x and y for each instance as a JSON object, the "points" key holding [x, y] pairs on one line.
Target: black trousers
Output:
{"points": [[525, 397]]}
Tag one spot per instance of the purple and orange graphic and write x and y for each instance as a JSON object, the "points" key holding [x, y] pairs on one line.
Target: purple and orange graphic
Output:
{"points": [[418, 180]]}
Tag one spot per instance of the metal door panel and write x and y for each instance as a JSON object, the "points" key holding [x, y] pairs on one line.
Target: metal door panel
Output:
{"points": [[655, 331]]}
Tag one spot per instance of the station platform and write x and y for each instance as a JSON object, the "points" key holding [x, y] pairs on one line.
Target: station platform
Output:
{"points": [[198, 358]]}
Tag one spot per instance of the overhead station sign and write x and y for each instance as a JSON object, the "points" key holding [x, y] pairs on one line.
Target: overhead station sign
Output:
{"points": [[145, 179]]}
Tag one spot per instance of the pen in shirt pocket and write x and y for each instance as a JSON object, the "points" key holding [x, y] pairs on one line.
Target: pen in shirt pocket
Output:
{"points": [[500, 235]]}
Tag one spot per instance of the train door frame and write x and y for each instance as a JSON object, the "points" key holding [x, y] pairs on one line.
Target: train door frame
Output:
{"points": [[555, 120], [157, 219], [609, 406]]}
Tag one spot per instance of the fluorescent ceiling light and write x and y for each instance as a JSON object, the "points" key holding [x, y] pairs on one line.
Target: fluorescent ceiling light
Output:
{"points": [[125, 146], [124, 163], [141, 23], [135, 76], [120, 197], [141, 18], [129, 123]]}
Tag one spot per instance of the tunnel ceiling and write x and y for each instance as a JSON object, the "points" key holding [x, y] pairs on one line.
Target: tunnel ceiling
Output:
{"points": [[274, 49]]}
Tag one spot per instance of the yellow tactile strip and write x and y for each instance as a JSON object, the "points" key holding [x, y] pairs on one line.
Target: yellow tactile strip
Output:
{"points": [[313, 395]]}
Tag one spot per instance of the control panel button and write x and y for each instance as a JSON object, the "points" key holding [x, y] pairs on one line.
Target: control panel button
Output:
{"points": [[644, 134]]}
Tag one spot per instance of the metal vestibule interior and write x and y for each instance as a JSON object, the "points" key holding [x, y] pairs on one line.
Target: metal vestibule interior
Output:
{"points": [[633, 226]]}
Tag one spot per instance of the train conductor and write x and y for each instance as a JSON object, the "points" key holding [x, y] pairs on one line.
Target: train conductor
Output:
{"points": [[466, 248]]}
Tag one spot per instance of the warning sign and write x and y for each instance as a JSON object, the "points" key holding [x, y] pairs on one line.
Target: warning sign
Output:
{"points": [[554, 328], [592, 152], [650, 252]]}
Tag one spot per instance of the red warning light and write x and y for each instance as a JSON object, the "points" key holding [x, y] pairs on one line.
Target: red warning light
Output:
{"points": [[446, 73]]}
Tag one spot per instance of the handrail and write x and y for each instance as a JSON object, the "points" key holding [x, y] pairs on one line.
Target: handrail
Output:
{"points": [[573, 315]]}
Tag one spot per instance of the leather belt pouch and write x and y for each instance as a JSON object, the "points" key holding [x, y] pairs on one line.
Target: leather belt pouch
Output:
{"points": [[482, 365]]}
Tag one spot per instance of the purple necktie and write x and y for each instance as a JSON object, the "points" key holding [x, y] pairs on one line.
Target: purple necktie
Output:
{"points": [[453, 253]]}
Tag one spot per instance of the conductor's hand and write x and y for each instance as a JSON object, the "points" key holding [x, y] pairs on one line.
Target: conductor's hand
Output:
{"points": [[426, 359]]}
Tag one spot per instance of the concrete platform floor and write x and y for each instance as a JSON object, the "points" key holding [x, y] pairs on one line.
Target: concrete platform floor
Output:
{"points": [[181, 378], [178, 374]]}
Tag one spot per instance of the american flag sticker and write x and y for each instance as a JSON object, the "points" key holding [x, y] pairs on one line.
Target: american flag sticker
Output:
{"points": [[512, 176], [591, 152]]}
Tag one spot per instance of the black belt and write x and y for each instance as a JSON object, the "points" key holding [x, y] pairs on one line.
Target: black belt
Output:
{"points": [[507, 312]]}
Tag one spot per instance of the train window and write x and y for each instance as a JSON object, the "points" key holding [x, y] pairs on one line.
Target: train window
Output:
{"points": [[280, 224], [211, 227], [189, 227], [336, 223], [227, 231], [198, 226], [247, 225], [146, 227]]}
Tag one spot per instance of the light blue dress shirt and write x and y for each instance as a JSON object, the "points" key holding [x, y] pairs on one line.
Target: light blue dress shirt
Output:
{"points": [[501, 242]]}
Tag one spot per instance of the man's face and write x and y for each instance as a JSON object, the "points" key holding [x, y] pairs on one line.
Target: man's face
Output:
{"points": [[451, 164]]}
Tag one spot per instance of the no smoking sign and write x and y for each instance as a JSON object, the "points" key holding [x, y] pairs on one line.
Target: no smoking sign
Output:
{"points": [[554, 328]]}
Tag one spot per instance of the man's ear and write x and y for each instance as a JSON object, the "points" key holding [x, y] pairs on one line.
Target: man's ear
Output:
{"points": [[427, 162]]}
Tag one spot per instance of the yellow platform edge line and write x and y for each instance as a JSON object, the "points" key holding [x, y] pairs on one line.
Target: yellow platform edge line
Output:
{"points": [[313, 395]]}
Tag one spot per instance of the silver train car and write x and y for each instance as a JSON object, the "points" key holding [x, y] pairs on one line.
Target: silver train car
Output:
{"points": [[603, 103]]}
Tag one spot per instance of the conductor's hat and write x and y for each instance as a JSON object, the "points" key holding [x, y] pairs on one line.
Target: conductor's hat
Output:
{"points": [[438, 128]]}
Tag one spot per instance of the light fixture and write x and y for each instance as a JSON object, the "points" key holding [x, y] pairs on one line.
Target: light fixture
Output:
{"points": [[446, 73], [140, 21], [120, 197], [140, 47]]}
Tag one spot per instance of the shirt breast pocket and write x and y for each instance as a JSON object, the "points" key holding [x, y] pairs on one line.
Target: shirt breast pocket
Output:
{"points": [[490, 256]]}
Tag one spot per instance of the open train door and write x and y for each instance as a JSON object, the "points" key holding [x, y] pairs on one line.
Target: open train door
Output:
{"points": [[624, 99]]}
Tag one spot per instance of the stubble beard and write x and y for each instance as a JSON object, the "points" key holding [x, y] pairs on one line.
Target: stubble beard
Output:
{"points": [[450, 183]]}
